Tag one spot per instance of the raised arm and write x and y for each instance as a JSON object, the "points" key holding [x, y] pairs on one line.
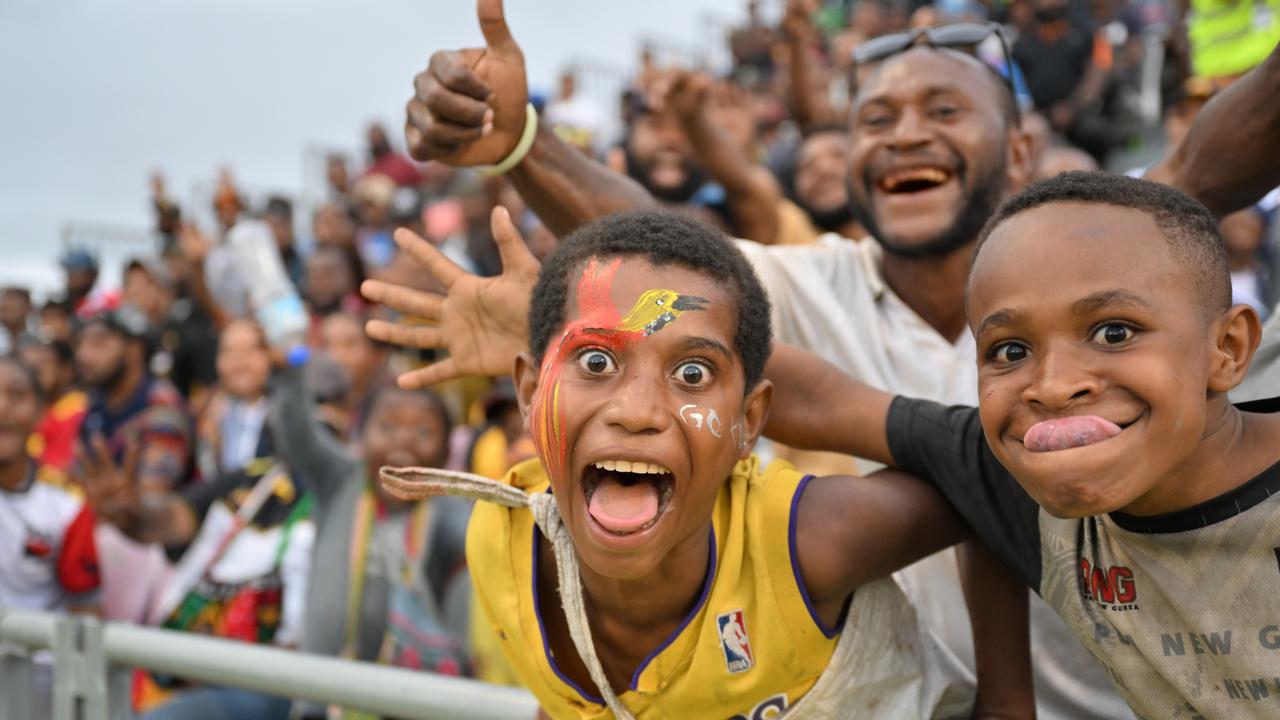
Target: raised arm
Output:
{"points": [[886, 521], [316, 460], [195, 250], [818, 407], [566, 188], [1228, 159], [809, 103], [469, 109], [751, 190]]}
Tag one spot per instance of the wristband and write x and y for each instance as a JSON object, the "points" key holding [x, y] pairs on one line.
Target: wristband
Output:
{"points": [[522, 147]]}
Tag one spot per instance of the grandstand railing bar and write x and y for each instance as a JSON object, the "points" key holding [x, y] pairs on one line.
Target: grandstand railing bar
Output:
{"points": [[93, 661]]}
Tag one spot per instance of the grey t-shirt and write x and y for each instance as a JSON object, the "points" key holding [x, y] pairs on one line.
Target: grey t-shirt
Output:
{"points": [[1182, 610]]}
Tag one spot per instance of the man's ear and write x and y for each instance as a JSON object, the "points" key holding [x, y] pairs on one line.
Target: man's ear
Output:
{"points": [[525, 376], [1020, 170], [755, 410], [1236, 336]]}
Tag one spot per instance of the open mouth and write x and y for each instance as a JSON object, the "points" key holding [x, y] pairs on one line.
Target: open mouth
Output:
{"points": [[401, 458], [626, 497], [913, 179], [668, 169]]}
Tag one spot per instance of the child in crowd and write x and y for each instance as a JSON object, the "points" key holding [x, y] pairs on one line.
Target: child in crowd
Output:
{"points": [[1106, 464], [48, 560], [54, 441], [48, 557], [646, 564], [230, 428], [389, 581]]}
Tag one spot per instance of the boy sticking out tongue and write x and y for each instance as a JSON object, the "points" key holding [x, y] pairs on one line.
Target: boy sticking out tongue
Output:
{"points": [[1106, 464]]}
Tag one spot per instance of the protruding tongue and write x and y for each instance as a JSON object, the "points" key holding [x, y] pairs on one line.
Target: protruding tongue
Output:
{"points": [[1069, 432], [620, 508]]}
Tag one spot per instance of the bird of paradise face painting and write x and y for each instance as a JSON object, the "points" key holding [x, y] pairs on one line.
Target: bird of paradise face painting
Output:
{"points": [[598, 324]]}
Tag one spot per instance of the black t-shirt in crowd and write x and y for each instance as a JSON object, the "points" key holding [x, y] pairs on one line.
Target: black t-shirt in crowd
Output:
{"points": [[1053, 69]]}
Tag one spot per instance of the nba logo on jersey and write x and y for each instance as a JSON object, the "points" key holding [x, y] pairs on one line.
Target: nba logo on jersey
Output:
{"points": [[734, 642]]}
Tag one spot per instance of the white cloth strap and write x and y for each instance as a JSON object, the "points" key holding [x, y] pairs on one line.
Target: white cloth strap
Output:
{"points": [[413, 483]]}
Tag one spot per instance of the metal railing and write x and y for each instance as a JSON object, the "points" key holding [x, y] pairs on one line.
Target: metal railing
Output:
{"points": [[93, 662]]}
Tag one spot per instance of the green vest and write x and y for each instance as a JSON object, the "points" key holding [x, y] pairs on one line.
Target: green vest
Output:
{"points": [[1228, 37]]}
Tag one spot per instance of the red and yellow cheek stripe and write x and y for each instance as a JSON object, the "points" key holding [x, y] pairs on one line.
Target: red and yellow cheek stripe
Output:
{"points": [[595, 313]]}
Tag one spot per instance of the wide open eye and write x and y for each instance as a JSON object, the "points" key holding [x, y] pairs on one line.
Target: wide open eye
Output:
{"points": [[597, 362], [1113, 333], [694, 374], [1009, 352]]}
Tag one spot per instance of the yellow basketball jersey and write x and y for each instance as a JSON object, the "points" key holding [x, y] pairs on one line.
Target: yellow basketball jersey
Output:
{"points": [[751, 647]]}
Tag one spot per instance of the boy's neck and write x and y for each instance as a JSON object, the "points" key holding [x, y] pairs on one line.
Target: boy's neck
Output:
{"points": [[631, 618], [1236, 447], [664, 596]]}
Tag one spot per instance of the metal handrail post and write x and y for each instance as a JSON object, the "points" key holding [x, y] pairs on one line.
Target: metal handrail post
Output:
{"points": [[119, 693], [79, 670], [15, 682]]}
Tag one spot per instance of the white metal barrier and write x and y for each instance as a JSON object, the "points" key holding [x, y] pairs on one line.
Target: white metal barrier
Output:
{"points": [[93, 660]]}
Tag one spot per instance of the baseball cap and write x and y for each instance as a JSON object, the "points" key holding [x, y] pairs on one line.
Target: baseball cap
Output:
{"points": [[126, 320], [78, 259]]}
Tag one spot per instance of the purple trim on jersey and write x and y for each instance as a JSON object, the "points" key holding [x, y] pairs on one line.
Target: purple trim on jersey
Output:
{"points": [[828, 633], [546, 647], [697, 607]]}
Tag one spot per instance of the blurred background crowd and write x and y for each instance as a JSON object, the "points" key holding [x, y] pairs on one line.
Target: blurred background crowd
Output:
{"points": [[214, 486]]}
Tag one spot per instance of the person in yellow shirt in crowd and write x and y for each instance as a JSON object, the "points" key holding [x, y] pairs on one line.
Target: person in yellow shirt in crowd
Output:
{"points": [[646, 564]]}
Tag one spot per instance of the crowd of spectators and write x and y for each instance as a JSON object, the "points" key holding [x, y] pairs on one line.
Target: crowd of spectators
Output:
{"points": [[159, 464]]}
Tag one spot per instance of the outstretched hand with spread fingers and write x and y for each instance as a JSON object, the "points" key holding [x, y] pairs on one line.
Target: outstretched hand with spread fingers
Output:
{"points": [[111, 489], [481, 322]]}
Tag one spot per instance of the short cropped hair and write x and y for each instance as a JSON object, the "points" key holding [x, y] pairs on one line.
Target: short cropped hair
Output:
{"points": [[27, 372], [61, 349], [662, 238], [1190, 228], [279, 206], [434, 402]]}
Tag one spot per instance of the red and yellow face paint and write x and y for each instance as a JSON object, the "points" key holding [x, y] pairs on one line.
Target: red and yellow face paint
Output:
{"points": [[598, 325]]}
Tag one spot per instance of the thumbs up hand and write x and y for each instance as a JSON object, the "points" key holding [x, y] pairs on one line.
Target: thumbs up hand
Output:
{"points": [[468, 106]]}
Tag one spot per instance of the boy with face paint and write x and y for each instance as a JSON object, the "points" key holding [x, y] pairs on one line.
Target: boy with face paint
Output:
{"points": [[706, 585]]}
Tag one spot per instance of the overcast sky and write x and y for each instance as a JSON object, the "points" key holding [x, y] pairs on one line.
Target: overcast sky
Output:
{"points": [[96, 93]]}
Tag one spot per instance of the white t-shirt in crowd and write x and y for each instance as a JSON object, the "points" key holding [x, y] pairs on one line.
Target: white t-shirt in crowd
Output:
{"points": [[830, 298], [34, 526]]}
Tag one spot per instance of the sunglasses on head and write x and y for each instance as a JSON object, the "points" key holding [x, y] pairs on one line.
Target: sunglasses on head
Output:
{"points": [[962, 36]]}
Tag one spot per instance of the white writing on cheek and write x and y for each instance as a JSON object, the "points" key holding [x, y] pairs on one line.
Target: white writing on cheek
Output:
{"points": [[710, 419], [713, 423]]}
